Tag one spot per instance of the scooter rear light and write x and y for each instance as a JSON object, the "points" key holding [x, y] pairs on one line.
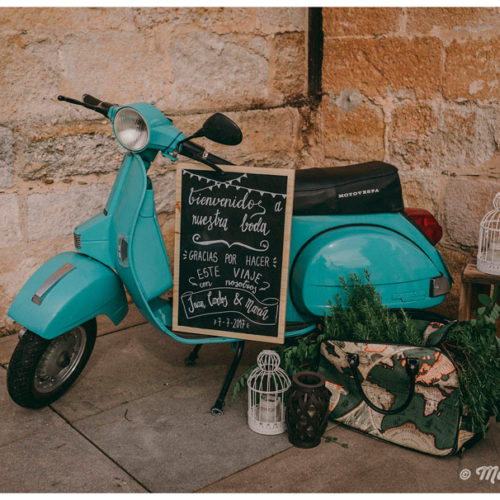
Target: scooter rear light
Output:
{"points": [[426, 222]]}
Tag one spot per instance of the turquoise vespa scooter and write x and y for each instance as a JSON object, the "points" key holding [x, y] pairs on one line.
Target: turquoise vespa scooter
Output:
{"points": [[346, 220]]}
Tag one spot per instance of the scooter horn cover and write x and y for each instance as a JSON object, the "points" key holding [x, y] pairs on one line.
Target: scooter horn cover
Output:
{"points": [[372, 187]]}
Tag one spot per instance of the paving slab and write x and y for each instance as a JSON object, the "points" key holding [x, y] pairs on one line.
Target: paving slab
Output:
{"points": [[139, 418], [125, 366], [133, 363], [171, 443], [18, 423], [60, 460], [365, 465]]}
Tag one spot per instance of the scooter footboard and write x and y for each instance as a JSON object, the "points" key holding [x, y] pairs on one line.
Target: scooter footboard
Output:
{"points": [[66, 291]]}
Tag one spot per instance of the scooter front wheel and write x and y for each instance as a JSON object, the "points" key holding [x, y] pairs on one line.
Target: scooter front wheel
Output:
{"points": [[41, 370]]}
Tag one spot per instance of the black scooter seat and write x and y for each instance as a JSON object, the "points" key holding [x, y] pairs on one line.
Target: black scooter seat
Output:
{"points": [[372, 187]]}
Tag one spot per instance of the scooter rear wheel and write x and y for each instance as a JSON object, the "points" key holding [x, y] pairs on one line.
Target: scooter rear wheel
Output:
{"points": [[41, 370]]}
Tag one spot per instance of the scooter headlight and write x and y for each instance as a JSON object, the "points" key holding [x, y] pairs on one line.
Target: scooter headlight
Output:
{"points": [[131, 129]]}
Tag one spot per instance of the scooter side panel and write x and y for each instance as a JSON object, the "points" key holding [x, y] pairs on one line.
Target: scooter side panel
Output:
{"points": [[66, 291], [399, 258]]}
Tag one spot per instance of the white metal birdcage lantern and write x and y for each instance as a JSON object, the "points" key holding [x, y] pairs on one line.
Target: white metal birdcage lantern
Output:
{"points": [[267, 386], [488, 254]]}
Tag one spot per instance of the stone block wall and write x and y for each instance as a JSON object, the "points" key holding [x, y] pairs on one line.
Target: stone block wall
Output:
{"points": [[419, 88], [415, 87], [58, 161]]}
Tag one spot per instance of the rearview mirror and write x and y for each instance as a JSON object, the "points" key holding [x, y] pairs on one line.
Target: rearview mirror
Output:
{"points": [[219, 128]]}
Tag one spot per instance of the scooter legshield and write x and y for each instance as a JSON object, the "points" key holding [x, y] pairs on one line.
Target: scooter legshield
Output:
{"points": [[66, 291]]}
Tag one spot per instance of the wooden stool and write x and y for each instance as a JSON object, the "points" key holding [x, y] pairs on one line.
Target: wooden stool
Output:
{"points": [[474, 282]]}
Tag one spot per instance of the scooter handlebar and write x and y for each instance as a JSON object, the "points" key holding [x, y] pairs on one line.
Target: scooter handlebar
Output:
{"points": [[198, 153], [94, 101]]}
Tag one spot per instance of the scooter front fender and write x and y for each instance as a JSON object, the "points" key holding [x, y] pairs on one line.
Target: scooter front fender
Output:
{"points": [[66, 291]]}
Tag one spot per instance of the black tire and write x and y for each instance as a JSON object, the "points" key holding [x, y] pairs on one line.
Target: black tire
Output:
{"points": [[33, 354]]}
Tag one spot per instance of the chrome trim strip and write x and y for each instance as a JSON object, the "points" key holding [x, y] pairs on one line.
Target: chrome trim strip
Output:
{"points": [[51, 281]]}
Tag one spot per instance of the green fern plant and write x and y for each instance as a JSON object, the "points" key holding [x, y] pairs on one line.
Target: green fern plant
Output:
{"points": [[475, 349]]}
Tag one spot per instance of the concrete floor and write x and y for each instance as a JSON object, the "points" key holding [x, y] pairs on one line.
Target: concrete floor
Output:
{"points": [[138, 420]]}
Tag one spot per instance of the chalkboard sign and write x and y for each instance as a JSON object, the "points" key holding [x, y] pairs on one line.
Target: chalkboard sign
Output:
{"points": [[231, 252]]}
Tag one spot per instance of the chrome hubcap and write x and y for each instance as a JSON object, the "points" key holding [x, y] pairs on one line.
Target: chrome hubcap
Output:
{"points": [[60, 360]]}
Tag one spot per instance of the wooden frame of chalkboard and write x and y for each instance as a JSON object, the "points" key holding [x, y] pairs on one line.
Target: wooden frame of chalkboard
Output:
{"points": [[232, 246]]}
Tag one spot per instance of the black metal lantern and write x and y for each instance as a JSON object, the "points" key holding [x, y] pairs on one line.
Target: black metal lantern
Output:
{"points": [[307, 409]]}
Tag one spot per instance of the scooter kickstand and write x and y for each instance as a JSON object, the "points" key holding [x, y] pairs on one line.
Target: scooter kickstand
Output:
{"points": [[193, 356], [217, 408]]}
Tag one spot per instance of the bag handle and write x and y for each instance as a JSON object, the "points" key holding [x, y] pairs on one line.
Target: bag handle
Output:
{"points": [[411, 368]]}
